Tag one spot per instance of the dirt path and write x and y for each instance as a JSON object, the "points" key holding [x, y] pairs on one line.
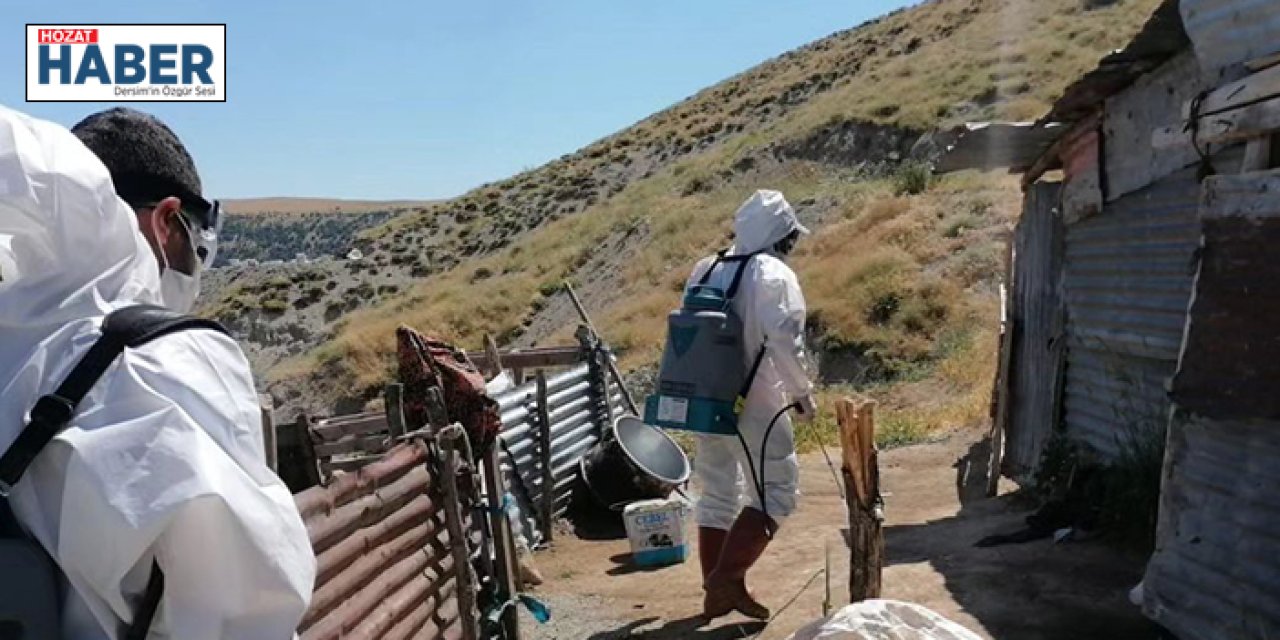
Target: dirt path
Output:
{"points": [[935, 512]]}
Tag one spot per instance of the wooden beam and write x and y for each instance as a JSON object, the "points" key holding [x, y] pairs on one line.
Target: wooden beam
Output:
{"points": [[503, 543], [394, 408], [1000, 413], [1233, 112], [330, 429], [267, 406], [355, 444], [1257, 154], [532, 358], [449, 465], [547, 507], [1052, 157]]}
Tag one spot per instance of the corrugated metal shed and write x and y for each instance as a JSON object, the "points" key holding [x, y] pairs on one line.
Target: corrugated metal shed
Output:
{"points": [[1160, 39], [995, 145], [1216, 570], [1230, 32], [1127, 282]]}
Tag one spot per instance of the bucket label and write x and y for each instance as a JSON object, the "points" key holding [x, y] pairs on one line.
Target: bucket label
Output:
{"points": [[673, 409]]}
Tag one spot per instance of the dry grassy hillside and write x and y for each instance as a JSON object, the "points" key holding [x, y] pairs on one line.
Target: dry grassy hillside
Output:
{"points": [[900, 276]]}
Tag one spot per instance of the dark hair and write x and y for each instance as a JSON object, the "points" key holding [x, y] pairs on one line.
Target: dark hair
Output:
{"points": [[146, 159], [787, 243]]}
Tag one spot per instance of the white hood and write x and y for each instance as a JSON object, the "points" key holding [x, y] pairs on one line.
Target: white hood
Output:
{"points": [[164, 458], [764, 219]]}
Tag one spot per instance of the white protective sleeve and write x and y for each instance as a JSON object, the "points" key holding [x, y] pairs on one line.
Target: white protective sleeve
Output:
{"points": [[780, 311]]}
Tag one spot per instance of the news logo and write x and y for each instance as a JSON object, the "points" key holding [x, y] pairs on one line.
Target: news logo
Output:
{"points": [[127, 63]]}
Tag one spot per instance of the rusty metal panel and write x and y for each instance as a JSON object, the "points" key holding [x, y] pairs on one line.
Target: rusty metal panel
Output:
{"points": [[1227, 33], [1154, 100], [1037, 321], [1127, 282], [381, 548], [1231, 358], [1216, 569]]}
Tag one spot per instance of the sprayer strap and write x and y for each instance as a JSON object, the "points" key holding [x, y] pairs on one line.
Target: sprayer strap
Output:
{"points": [[724, 257], [751, 377]]}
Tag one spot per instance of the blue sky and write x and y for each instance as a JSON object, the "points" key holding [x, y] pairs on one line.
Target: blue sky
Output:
{"points": [[425, 99]]}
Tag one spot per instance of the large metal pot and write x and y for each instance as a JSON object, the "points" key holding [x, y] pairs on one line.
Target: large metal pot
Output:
{"points": [[638, 462]]}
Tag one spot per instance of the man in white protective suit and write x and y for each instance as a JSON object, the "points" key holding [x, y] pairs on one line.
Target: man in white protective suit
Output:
{"points": [[732, 536], [163, 462]]}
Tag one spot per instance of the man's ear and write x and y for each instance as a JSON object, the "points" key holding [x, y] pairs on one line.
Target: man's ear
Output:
{"points": [[166, 212]]}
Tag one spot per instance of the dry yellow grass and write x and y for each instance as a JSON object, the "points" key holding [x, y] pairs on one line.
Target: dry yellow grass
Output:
{"points": [[905, 280]]}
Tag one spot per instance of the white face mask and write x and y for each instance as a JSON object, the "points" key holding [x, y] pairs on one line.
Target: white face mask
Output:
{"points": [[178, 291]]}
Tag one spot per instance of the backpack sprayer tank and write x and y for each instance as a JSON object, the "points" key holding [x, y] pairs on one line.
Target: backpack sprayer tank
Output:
{"points": [[704, 374]]}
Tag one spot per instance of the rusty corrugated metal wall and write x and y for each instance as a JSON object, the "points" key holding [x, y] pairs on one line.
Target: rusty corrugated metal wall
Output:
{"points": [[384, 568], [1127, 283], [1216, 569], [1037, 318]]}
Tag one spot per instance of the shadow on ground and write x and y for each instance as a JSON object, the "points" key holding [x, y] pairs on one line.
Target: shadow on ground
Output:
{"points": [[694, 627], [1078, 589]]}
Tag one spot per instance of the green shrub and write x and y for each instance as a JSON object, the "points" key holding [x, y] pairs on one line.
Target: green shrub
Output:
{"points": [[912, 178]]}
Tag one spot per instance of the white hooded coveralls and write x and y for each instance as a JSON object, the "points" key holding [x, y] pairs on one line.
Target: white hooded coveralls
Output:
{"points": [[772, 309], [164, 458]]}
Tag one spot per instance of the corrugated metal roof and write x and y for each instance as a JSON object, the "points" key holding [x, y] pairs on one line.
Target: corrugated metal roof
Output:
{"points": [[1231, 32], [994, 145], [1160, 38]]}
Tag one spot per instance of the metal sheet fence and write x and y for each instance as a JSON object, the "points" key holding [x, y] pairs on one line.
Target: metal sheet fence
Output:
{"points": [[577, 420], [384, 568]]}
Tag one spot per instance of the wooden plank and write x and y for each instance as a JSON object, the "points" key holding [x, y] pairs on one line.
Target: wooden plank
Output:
{"points": [[1236, 111], [356, 444], [449, 465], [310, 463], [613, 368], [346, 465], [1000, 417], [532, 358], [503, 543], [394, 409], [1257, 154], [330, 429], [1258, 64], [547, 506], [269, 448]]}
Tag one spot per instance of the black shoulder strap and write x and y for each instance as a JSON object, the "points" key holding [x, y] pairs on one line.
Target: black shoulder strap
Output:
{"points": [[124, 328], [129, 327], [723, 257]]}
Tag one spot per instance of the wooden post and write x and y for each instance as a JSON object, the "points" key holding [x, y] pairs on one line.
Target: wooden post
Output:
{"points": [[861, 473], [613, 368], [504, 545], [395, 410], [437, 414], [310, 464], [547, 506], [457, 536], [602, 356], [267, 406], [495, 360], [1000, 417]]}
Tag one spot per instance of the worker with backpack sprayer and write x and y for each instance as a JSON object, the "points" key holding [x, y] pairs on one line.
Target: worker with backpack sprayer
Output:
{"points": [[735, 365], [131, 450]]}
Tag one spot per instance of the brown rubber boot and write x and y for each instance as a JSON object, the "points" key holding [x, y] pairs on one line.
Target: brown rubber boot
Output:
{"points": [[710, 543], [726, 586]]}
